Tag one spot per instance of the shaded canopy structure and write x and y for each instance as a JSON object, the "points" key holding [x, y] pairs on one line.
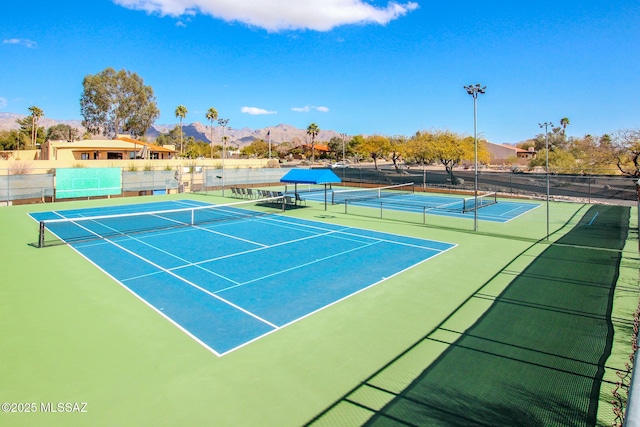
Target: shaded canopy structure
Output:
{"points": [[311, 176]]}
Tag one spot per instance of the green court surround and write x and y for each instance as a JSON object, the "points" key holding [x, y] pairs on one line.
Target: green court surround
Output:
{"points": [[71, 334]]}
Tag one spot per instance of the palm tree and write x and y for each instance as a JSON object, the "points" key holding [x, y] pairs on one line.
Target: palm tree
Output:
{"points": [[564, 122], [212, 115], [181, 111], [313, 130], [36, 113]]}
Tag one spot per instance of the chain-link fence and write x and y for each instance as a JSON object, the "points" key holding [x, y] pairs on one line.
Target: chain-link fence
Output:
{"points": [[39, 185], [589, 188]]}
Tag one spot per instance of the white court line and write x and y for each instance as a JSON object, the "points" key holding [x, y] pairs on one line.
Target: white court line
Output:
{"points": [[185, 280], [151, 306], [337, 301], [187, 263], [534, 206], [276, 220], [344, 231], [264, 247], [193, 284], [190, 203], [337, 234], [269, 219], [59, 214], [328, 233], [274, 328], [186, 229], [509, 211], [198, 264], [208, 230], [306, 264]]}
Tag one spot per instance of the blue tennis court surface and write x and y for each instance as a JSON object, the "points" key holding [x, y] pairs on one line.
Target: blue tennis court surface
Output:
{"points": [[421, 203], [228, 283]]}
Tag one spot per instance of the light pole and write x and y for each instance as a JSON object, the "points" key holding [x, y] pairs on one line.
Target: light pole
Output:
{"points": [[546, 125], [424, 171], [474, 91], [212, 123], [223, 123], [344, 139]]}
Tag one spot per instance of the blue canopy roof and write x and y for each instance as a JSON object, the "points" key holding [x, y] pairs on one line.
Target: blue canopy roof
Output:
{"points": [[310, 176]]}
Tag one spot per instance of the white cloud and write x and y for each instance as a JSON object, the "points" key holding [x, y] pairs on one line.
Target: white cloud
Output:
{"points": [[302, 109], [308, 108], [254, 111], [3, 102], [25, 42], [280, 15]]}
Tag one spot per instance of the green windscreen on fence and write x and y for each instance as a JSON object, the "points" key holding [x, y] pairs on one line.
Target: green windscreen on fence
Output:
{"points": [[536, 357], [87, 182]]}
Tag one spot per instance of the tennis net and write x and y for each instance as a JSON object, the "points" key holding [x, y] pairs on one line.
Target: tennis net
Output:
{"points": [[74, 230], [340, 196], [472, 203]]}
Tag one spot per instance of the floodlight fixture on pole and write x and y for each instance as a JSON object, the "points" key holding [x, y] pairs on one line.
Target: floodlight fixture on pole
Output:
{"points": [[546, 125], [223, 123], [474, 91]]}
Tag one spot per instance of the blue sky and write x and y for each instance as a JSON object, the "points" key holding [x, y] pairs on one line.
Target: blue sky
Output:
{"points": [[352, 66]]}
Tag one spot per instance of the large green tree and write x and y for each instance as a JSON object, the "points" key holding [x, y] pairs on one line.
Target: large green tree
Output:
{"points": [[192, 148], [258, 148], [32, 135], [117, 101], [397, 150], [626, 149], [335, 145], [11, 139], [418, 148], [62, 132], [196, 148], [142, 121], [590, 155], [450, 149], [170, 138], [374, 147]]}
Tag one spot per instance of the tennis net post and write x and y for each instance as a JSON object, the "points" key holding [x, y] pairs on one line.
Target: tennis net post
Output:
{"points": [[41, 234], [469, 204], [342, 196]]}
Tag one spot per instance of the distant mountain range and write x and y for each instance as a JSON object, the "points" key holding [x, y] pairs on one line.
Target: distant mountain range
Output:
{"points": [[241, 137]]}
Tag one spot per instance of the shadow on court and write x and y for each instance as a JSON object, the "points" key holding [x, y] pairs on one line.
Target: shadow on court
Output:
{"points": [[535, 358]]}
